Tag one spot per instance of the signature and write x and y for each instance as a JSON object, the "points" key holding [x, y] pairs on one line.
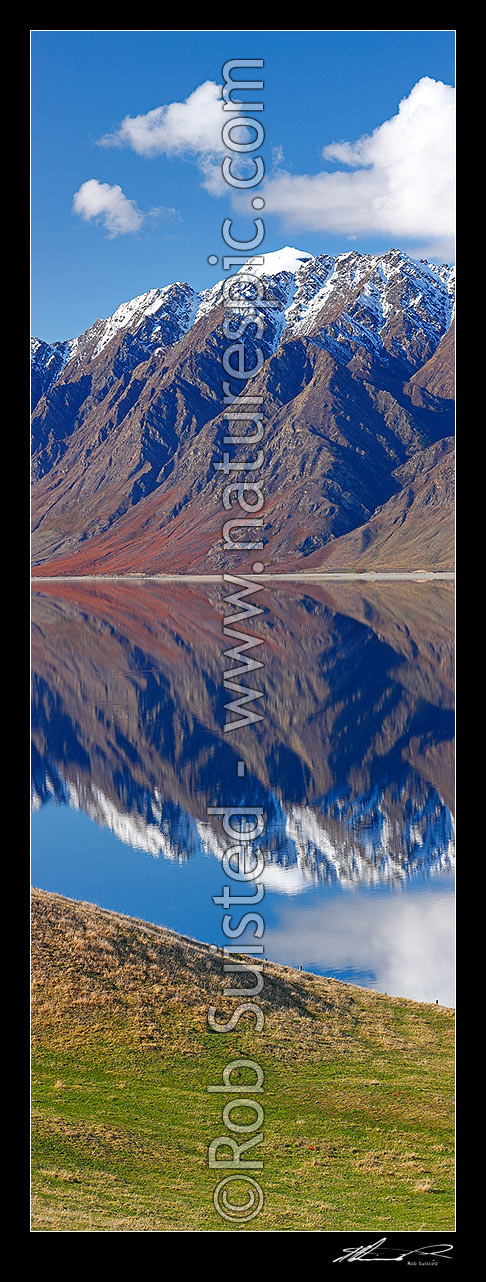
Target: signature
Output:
{"points": [[378, 1251]]}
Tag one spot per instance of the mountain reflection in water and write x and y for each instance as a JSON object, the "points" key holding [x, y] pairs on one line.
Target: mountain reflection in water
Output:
{"points": [[352, 764]]}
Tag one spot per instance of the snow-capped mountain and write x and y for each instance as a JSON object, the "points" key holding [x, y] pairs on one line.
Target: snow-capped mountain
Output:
{"points": [[154, 320], [376, 289], [355, 382], [47, 363]]}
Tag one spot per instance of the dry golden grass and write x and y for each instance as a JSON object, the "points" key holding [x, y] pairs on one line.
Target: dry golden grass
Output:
{"points": [[357, 1100]]}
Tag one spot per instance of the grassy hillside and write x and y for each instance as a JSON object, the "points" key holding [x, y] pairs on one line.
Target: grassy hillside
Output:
{"points": [[358, 1089]]}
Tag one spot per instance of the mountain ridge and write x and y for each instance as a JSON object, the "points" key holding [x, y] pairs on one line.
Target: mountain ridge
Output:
{"points": [[129, 416]]}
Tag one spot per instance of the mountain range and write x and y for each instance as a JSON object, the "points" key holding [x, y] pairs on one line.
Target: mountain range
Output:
{"points": [[357, 386]]}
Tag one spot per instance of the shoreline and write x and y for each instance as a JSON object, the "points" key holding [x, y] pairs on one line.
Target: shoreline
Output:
{"points": [[366, 576]]}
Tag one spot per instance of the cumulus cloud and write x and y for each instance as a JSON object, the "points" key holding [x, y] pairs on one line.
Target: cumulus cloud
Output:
{"points": [[398, 181], [192, 127], [117, 213], [191, 130], [114, 210]]}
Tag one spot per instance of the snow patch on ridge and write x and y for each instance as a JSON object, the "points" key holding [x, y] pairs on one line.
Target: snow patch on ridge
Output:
{"points": [[351, 298], [279, 260]]}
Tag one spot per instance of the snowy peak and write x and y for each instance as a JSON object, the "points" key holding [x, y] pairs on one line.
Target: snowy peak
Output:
{"points": [[167, 313], [386, 305], [280, 260], [47, 363], [153, 320]]}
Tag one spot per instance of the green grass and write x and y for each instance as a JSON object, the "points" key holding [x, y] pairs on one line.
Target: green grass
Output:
{"points": [[358, 1089]]}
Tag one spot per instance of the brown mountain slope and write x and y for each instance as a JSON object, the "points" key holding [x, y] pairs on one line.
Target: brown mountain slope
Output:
{"points": [[436, 377], [334, 437], [126, 446], [414, 529]]}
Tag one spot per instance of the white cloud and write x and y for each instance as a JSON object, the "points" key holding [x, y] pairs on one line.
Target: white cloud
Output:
{"points": [[185, 128], [191, 130], [109, 204], [401, 182]]}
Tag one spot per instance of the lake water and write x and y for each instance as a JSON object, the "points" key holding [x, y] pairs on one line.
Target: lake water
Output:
{"points": [[351, 764]]}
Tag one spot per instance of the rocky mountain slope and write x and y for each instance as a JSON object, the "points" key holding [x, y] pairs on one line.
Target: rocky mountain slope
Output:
{"points": [[357, 385]]}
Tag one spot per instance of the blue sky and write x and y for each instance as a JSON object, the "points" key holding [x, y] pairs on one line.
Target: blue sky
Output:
{"points": [[320, 88]]}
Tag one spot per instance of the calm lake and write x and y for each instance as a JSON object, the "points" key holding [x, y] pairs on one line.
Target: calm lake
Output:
{"points": [[351, 763]]}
